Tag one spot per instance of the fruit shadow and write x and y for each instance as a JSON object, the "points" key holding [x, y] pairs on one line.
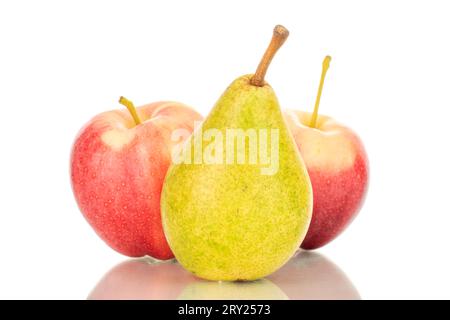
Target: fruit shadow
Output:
{"points": [[308, 275]]}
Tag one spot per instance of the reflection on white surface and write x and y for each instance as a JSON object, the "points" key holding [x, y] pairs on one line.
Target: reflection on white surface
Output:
{"points": [[262, 289], [308, 275], [143, 279]]}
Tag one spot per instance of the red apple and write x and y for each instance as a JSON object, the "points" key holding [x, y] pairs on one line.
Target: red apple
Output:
{"points": [[118, 164], [338, 168]]}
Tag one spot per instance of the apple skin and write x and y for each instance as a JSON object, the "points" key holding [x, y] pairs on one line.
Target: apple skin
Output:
{"points": [[339, 171], [117, 173]]}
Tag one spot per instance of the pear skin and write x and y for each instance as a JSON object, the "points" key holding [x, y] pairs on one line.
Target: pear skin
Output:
{"points": [[230, 219]]}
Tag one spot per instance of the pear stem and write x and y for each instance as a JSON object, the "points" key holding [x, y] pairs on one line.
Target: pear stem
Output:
{"points": [[325, 66], [131, 108], [280, 35]]}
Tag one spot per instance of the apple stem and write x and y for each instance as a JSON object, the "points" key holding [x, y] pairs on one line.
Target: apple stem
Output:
{"points": [[130, 106], [280, 35], [325, 66]]}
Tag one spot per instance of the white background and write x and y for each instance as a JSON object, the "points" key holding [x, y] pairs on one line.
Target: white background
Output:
{"points": [[61, 63]]}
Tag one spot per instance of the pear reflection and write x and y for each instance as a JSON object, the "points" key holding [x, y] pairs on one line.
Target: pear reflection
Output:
{"points": [[311, 276], [262, 289], [308, 275]]}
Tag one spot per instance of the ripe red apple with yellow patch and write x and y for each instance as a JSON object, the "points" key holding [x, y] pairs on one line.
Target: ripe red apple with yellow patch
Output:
{"points": [[337, 166], [118, 164]]}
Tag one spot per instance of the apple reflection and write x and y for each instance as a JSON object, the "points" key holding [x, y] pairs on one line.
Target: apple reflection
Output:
{"points": [[308, 275], [143, 279], [311, 276]]}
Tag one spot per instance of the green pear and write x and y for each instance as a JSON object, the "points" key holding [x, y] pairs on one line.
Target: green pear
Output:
{"points": [[237, 200]]}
